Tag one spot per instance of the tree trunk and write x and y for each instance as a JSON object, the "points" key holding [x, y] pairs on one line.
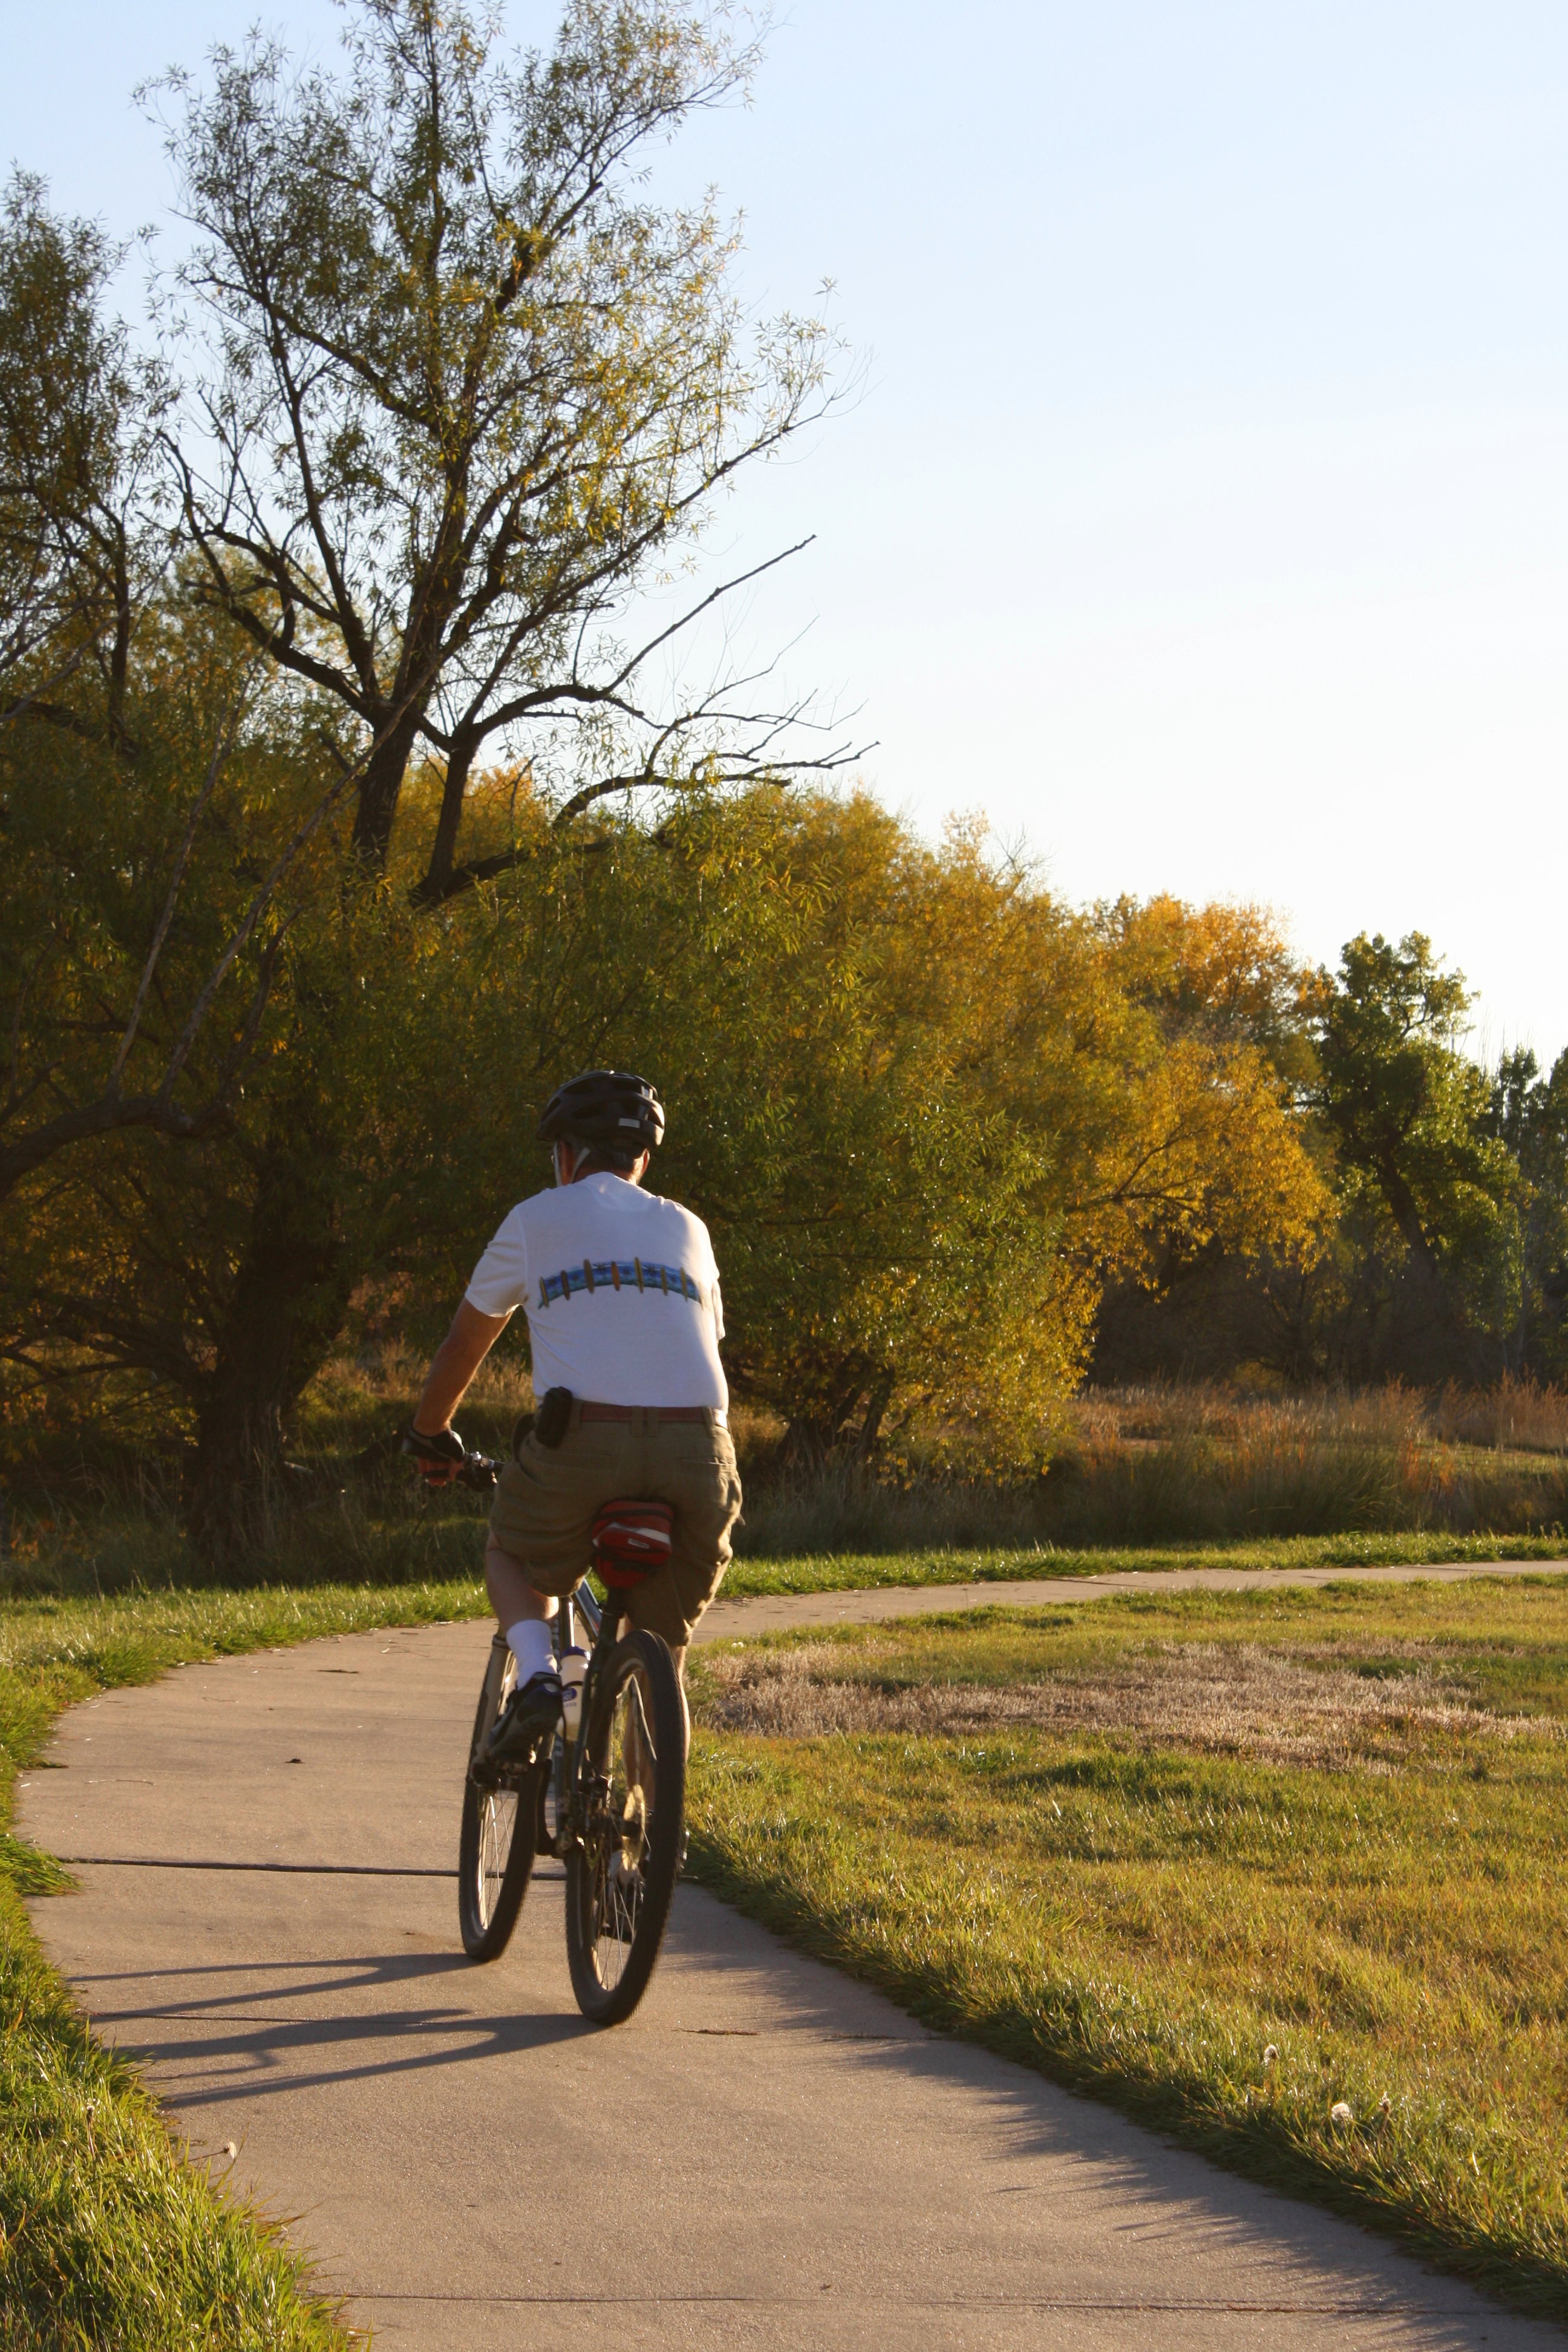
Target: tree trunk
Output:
{"points": [[444, 848], [817, 1433], [379, 788], [870, 1435], [290, 1297]]}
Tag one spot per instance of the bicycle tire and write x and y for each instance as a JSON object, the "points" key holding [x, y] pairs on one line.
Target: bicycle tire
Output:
{"points": [[494, 1860], [621, 1876]]}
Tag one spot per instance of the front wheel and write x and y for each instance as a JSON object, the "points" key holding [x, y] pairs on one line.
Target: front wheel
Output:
{"points": [[620, 1877], [496, 1842]]}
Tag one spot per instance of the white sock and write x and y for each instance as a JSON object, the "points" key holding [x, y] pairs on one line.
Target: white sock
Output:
{"points": [[531, 1646]]}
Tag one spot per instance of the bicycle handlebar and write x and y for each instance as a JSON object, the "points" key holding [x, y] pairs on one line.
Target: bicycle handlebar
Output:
{"points": [[446, 1452]]}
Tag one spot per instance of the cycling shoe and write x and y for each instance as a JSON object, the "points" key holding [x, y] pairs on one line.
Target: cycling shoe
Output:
{"points": [[527, 1721]]}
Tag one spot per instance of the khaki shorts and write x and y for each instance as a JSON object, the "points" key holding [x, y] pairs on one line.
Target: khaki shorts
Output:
{"points": [[547, 1498]]}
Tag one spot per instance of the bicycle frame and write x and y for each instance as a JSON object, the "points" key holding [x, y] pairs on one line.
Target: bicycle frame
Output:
{"points": [[568, 1770]]}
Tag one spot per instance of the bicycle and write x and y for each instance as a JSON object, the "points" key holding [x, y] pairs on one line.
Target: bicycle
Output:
{"points": [[606, 1797]]}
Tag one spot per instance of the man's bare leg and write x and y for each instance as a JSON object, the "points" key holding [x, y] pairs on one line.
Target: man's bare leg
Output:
{"points": [[512, 1595], [524, 1616], [679, 1658]]}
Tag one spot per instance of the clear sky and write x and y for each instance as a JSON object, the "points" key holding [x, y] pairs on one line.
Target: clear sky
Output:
{"points": [[1203, 515]]}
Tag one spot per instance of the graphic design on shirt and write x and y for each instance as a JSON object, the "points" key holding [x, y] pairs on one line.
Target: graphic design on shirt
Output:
{"points": [[621, 1274]]}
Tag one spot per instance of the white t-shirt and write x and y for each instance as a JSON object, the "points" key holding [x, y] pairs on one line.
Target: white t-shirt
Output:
{"points": [[621, 1291]]}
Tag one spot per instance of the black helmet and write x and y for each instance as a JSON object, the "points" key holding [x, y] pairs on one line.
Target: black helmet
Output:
{"points": [[613, 1111]]}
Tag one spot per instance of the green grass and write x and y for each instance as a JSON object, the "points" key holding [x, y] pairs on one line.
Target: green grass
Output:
{"points": [[109, 2241], [339, 1546], [1144, 1912]]}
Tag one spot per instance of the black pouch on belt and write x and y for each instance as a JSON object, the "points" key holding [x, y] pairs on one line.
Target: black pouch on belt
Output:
{"points": [[553, 1417]]}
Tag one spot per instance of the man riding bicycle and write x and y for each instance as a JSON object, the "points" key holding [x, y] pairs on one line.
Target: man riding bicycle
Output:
{"points": [[621, 1293]]}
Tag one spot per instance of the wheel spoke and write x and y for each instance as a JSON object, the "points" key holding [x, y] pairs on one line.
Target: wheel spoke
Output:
{"points": [[498, 1826], [642, 1731]]}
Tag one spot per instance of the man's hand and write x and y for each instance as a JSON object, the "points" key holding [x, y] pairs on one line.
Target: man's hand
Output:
{"points": [[438, 1454]]}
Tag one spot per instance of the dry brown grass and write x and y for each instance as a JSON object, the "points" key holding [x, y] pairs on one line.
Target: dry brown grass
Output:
{"points": [[1300, 1707], [1513, 1416], [1516, 1414]]}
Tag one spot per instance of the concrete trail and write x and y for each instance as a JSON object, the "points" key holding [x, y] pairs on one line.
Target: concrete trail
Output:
{"points": [[778, 1612], [766, 2155]]}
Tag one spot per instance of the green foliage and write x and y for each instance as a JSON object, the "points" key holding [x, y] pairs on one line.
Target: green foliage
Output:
{"points": [[1408, 1111], [1445, 1253], [1469, 1172], [1528, 1117], [1208, 1473], [70, 440], [908, 1089], [440, 342]]}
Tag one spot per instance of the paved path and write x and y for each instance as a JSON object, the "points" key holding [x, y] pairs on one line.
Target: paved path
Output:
{"points": [[767, 2155], [778, 1612]]}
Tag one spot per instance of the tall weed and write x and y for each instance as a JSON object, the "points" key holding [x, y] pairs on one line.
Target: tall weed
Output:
{"points": [[1271, 1480], [1149, 1465]]}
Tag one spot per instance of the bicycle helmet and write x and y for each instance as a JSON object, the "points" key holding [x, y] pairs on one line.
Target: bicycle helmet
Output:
{"points": [[611, 1110]]}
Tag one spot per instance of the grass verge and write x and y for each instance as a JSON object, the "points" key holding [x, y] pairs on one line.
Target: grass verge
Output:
{"points": [[108, 2237], [1342, 1974]]}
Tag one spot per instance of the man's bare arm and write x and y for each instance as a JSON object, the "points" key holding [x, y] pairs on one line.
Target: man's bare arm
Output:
{"points": [[457, 1359]]}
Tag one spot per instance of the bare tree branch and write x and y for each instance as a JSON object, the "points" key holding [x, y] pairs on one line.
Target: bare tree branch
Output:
{"points": [[182, 861]]}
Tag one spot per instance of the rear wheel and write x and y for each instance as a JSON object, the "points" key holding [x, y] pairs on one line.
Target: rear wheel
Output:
{"points": [[620, 1878], [495, 1844]]}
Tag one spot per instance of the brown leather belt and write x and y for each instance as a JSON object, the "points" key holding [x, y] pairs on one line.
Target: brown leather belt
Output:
{"points": [[588, 1411]]}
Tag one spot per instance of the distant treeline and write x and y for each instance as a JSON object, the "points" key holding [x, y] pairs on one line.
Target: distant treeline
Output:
{"points": [[1444, 1253], [340, 822]]}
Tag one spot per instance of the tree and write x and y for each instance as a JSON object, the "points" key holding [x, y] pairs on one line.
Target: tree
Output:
{"points": [[456, 391], [71, 443], [468, 389], [1213, 1291], [133, 976], [907, 1087], [1409, 1115], [947, 1121], [1528, 1114]]}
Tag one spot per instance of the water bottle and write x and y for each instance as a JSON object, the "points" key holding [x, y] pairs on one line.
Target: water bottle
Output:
{"points": [[574, 1665]]}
